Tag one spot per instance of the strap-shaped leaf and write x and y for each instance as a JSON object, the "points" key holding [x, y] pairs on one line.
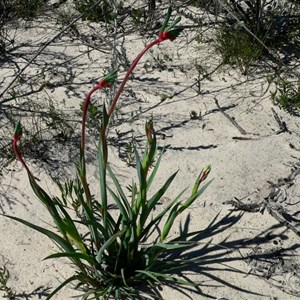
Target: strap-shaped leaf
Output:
{"points": [[62, 243], [142, 181], [138, 166], [48, 202], [94, 225], [152, 275], [76, 255], [158, 217], [121, 207], [173, 246], [193, 197], [100, 253], [126, 204], [67, 281], [153, 201], [154, 171], [123, 279], [169, 223], [71, 229]]}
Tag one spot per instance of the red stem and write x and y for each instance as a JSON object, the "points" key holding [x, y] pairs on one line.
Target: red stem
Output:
{"points": [[18, 154], [133, 65], [84, 115]]}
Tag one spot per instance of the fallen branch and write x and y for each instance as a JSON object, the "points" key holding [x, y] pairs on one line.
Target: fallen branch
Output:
{"points": [[282, 124], [275, 203], [232, 121]]}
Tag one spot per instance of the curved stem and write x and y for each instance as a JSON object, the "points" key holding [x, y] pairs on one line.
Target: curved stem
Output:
{"points": [[103, 138], [19, 156], [82, 146], [84, 115], [120, 90], [131, 68]]}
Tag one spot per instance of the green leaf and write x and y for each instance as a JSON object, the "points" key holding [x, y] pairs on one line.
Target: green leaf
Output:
{"points": [[153, 201], [152, 275], [138, 166], [120, 205], [154, 171], [141, 199], [111, 222], [100, 253], [94, 225], [123, 278], [157, 218], [71, 229], [126, 204], [47, 201], [193, 197], [174, 212], [134, 192], [70, 279], [172, 246], [167, 18], [64, 244], [169, 223], [76, 255]]}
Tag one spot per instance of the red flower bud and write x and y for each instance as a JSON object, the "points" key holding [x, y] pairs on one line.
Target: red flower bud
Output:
{"points": [[103, 84], [164, 36], [205, 173], [108, 79]]}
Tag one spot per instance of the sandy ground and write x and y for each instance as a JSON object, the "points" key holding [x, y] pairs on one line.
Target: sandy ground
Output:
{"points": [[235, 131]]}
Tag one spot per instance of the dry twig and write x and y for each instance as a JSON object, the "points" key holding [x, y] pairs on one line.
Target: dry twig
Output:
{"points": [[232, 121]]}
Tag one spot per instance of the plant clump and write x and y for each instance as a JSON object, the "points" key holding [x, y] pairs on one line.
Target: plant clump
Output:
{"points": [[287, 96], [114, 256], [255, 30]]}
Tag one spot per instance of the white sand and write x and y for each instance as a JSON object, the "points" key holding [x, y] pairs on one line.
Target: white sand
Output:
{"points": [[240, 168]]}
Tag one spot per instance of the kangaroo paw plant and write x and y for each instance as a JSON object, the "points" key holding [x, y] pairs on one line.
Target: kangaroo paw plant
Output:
{"points": [[112, 254]]}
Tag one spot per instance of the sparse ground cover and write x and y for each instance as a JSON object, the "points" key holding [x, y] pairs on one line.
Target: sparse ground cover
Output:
{"points": [[207, 106]]}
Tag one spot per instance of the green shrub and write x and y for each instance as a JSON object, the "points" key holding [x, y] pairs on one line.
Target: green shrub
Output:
{"points": [[102, 12], [9, 293], [211, 6], [238, 48], [25, 9], [287, 96], [254, 30]]}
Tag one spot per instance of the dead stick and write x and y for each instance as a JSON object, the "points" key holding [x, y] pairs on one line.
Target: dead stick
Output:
{"points": [[241, 130], [281, 124]]}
